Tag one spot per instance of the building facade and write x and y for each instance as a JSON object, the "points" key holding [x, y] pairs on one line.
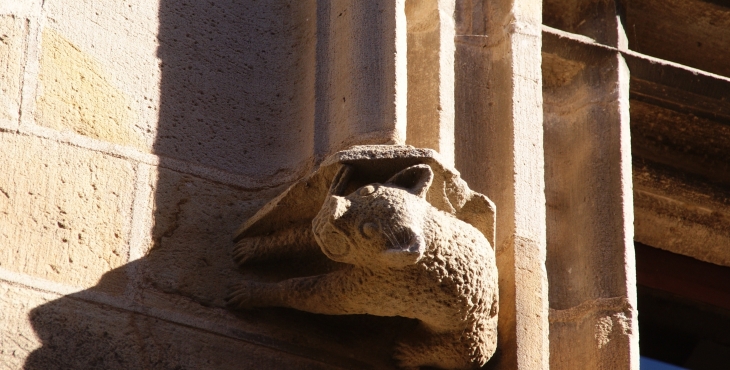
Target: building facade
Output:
{"points": [[136, 136]]}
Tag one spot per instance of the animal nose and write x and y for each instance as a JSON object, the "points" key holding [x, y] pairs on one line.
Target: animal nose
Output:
{"points": [[415, 244]]}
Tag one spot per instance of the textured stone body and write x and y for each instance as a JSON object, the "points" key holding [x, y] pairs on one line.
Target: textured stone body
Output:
{"points": [[399, 256]]}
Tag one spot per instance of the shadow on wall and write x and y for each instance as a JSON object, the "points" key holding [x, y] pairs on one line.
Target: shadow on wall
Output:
{"points": [[237, 100]]}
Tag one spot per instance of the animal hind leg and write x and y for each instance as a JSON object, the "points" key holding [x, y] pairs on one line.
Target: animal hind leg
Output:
{"points": [[450, 350]]}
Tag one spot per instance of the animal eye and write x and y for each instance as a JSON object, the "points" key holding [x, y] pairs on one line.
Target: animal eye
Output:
{"points": [[367, 190], [369, 229]]}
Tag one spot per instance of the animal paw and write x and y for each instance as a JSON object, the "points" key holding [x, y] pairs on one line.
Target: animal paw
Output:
{"points": [[245, 251], [245, 295], [405, 358]]}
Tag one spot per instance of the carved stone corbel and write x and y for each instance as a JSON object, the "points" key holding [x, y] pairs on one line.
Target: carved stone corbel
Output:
{"points": [[408, 238]]}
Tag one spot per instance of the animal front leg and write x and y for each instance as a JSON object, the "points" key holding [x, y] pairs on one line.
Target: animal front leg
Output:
{"points": [[281, 244], [248, 294], [331, 294]]}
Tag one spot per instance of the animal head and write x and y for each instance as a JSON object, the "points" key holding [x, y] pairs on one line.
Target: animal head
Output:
{"points": [[378, 224]]}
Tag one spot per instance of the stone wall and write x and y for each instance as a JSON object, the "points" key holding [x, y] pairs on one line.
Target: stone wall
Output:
{"points": [[135, 137]]}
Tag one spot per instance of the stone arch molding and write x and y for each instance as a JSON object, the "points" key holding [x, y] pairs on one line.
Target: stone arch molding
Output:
{"points": [[403, 235]]}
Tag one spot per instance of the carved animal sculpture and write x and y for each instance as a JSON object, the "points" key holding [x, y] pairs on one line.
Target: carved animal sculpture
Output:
{"points": [[404, 258]]}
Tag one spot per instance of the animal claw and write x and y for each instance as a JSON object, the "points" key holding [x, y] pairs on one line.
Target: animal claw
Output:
{"points": [[240, 296], [244, 252], [241, 256]]}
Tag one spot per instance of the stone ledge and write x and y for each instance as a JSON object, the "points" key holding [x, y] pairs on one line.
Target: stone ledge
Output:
{"points": [[43, 330], [216, 322]]}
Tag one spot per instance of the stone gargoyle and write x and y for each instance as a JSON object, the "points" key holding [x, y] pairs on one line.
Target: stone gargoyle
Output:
{"points": [[411, 238]]}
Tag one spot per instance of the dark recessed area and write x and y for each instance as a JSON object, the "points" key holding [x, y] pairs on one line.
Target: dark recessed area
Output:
{"points": [[684, 318]]}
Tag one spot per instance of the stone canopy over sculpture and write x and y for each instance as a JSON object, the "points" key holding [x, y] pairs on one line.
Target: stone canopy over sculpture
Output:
{"points": [[408, 238]]}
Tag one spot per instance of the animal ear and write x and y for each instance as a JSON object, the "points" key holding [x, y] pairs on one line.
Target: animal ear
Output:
{"points": [[416, 179], [339, 182]]}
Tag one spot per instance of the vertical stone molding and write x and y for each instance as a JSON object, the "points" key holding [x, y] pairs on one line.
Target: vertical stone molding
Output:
{"points": [[590, 253], [499, 150], [361, 74]]}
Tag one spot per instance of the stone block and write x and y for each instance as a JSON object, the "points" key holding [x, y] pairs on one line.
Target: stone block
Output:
{"points": [[99, 74], [77, 93], [13, 45], [42, 331], [65, 211]]}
